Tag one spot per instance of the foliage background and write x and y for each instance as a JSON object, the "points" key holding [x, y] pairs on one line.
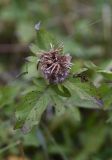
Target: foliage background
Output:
{"points": [[85, 27]]}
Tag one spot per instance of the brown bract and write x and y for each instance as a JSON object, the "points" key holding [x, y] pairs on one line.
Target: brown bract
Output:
{"points": [[54, 66]]}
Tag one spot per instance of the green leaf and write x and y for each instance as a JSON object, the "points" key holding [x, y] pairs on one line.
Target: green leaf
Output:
{"points": [[76, 66], [39, 83], [66, 91], [23, 108], [31, 69], [36, 112], [58, 103], [83, 95], [90, 65], [74, 87], [81, 70], [107, 74], [61, 90], [44, 38], [32, 59], [35, 49]]}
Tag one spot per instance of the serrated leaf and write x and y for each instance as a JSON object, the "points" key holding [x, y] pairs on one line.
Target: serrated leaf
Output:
{"points": [[36, 112], [24, 107], [80, 92], [76, 101], [82, 96]]}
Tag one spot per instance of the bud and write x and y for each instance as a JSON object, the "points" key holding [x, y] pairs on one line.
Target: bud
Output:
{"points": [[54, 66]]}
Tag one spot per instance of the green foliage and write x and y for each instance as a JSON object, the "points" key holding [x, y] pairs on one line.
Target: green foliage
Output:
{"points": [[44, 38], [35, 113], [72, 92], [71, 120]]}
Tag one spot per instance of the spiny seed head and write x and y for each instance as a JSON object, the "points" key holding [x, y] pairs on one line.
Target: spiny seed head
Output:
{"points": [[54, 66]]}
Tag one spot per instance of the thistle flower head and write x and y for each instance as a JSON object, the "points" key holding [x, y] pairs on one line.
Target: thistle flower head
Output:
{"points": [[54, 66]]}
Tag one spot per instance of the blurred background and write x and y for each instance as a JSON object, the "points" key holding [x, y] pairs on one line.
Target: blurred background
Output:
{"points": [[85, 28]]}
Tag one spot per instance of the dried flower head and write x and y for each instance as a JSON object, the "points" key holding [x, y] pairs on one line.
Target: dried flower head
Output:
{"points": [[54, 66]]}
